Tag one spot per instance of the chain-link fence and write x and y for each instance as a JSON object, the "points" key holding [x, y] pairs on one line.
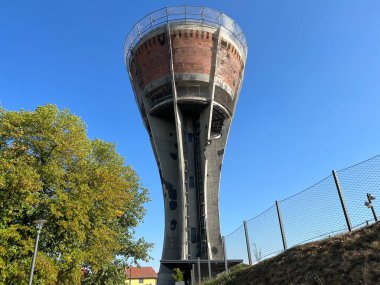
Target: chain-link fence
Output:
{"points": [[343, 201]]}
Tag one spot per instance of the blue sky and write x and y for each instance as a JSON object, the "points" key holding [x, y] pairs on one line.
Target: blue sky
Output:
{"points": [[310, 100]]}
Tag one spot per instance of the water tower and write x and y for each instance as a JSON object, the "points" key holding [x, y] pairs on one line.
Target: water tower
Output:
{"points": [[186, 66]]}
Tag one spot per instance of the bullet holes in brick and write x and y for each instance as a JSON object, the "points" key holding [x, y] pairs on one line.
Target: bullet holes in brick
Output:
{"points": [[172, 205], [173, 155], [161, 39]]}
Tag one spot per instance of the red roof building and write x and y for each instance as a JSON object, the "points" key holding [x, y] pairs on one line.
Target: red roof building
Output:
{"points": [[141, 275]]}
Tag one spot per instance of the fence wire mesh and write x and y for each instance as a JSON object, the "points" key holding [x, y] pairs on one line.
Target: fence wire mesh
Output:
{"points": [[235, 245], [260, 228], [356, 181], [312, 214]]}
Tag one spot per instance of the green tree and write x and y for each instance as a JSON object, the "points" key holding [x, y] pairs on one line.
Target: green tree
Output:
{"points": [[50, 169]]}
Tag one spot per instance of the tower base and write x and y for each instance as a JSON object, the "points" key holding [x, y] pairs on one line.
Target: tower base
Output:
{"points": [[194, 270]]}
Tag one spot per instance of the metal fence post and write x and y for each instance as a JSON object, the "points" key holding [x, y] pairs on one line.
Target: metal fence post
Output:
{"points": [[192, 275], [199, 271], [225, 254], [247, 242], [285, 245], [209, 269], [371, 206], [342, 200]]}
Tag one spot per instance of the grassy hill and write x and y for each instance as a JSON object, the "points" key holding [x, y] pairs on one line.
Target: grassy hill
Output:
{"points": [[351, 258]]}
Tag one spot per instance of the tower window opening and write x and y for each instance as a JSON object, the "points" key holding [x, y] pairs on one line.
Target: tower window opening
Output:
{"points": [[191, 182], [186, 165], [193, 235]]}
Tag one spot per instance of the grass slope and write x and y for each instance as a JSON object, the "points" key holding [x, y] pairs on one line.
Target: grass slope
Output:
{"points": [[351, 258]]}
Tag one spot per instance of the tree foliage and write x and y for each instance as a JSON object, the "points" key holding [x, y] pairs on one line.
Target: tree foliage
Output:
{"points": [[50, 169]]}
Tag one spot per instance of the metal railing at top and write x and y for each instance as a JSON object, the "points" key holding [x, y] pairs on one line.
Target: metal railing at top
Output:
{"points": [[191, 14]]}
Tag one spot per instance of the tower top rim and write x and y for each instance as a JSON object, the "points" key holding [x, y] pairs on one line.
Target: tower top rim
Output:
{"points": [[201, 15]]}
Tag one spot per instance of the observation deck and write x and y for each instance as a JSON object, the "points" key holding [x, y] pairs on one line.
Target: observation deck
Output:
{"points": [[183, 14]]}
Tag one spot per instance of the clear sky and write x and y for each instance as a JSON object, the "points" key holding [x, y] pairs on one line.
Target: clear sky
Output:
{"points": [[310, 100]]}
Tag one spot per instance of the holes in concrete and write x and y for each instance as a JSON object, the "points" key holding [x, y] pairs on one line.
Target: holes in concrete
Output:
{"points": [[171, 191], [173, 224], [172, 205]]}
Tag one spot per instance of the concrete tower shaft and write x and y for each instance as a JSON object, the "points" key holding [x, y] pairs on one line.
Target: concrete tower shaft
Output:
{"points": [[186, 66]]}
